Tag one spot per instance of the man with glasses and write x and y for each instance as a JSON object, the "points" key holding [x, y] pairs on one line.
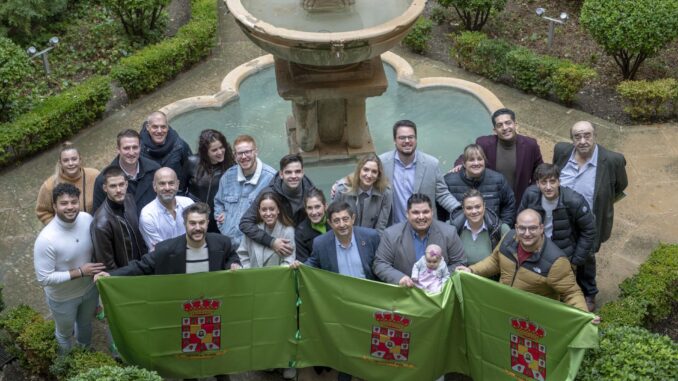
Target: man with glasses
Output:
{"points": [[239, 187], [599, 175], [514, 156], [412, 171], [528, 260]]}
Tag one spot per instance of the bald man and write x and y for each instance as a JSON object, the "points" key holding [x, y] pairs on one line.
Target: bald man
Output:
{"points": [[161, 219], [543, 268], [599, 175]]}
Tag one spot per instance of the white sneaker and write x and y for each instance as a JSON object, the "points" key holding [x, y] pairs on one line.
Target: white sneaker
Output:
{"points": [[289, 373]]}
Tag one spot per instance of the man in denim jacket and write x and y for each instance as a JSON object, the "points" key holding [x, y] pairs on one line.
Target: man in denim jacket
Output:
{"points": [[239, 187]]}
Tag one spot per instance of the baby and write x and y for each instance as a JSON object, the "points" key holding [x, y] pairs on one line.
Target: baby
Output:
{"points": [[430, 272]]}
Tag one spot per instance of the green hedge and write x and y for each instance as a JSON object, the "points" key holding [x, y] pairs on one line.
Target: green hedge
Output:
{"points": [[630, 353], [58, 117], [112, 373], [29, 337], [155, 64], [648, 296], [417, 38], [78, 361], [497, 59], [650, 99]]}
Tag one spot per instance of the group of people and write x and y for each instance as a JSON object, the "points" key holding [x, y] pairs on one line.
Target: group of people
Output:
{"points": [[158, 209]]}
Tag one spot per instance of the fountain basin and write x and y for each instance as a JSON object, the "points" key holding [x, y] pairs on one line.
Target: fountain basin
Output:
{"points": [[321, 39]]}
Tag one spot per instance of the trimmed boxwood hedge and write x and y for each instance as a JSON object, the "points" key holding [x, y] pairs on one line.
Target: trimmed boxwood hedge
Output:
{"points": [[55, 119], [156, 64]]}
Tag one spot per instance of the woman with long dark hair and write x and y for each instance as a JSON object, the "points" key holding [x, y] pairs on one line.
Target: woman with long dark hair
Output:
{"points": [[204, 170]]}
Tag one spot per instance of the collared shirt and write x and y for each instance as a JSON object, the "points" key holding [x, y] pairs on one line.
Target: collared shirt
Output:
{"points": [[475, 235], [581, 179], [419, 243], [129, 175], [157, 224], [348, 259], [403, 186]]}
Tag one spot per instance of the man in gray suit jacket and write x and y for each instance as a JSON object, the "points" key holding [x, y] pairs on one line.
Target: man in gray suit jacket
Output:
{"points": [[346, 249], [600, 176], [404, 243], [412, 171]]}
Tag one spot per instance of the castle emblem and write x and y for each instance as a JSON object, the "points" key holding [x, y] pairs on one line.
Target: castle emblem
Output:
{"points": [[389, 340], [528, 356], [201, 329]]}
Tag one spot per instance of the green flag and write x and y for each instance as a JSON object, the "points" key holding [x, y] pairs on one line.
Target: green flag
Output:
{"points": [[512, 334], [199, 325]]}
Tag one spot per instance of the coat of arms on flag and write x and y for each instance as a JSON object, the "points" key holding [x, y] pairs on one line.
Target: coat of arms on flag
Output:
{"points": [[389, 341], [201, 330], [528, 356]]}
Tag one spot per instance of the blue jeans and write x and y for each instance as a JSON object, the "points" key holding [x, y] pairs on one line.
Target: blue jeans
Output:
{"points": [[74, 315]]}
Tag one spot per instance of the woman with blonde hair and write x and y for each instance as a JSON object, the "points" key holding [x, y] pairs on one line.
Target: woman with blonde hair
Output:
{"points": [[68, 170], [367, 188]]}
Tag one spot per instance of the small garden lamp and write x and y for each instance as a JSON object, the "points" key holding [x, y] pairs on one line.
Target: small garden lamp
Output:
{"points": [[552, 22], [33, 52]]}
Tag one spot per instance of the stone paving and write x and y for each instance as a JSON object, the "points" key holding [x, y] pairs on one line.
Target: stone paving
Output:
{"points": [[648, 215]]}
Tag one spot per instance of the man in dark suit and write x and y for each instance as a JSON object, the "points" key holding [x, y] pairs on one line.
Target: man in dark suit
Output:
{"points": [[346, 249], [196, 251], [600, 176], [514, 156]]}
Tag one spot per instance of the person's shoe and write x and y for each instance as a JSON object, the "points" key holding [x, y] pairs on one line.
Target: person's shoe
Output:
{"points": [[222, 377], [289, 373], [590, 302], [341, 376]]}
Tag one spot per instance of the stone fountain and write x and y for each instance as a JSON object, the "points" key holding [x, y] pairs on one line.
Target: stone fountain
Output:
{"points": [[327, 63]]}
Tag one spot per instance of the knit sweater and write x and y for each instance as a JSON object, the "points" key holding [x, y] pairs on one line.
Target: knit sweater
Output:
{"points": [[44, 210], [61, 247]]}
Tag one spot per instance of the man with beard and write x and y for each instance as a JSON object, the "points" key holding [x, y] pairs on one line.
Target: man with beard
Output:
{"points": [[162, 218], [405, 243], [138, 170], [194, 252], [599, 175], [162, 144], [61, 257], [513, 155], [412, 171]]}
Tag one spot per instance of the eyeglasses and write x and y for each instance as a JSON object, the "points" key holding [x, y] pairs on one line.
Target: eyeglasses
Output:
{"points": [[406, 138], [525, 229], [247, 153]]}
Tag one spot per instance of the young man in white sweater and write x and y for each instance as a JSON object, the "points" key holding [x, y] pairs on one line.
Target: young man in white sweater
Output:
{"points": [[61, 256]]}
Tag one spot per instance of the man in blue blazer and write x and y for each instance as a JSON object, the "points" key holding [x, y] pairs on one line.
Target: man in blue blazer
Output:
{"points": [[346, 249]]}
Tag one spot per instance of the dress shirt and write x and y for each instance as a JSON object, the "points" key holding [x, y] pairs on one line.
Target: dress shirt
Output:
{"points": [[348, 259], [581, 179], [156, 222], [403, 186]]}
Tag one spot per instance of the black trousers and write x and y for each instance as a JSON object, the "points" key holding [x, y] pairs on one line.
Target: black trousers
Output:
{"points": [[586, 276]]}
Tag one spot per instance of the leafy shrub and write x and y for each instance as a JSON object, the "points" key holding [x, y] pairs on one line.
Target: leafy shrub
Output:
{"points": [[474, 13], [630, 353], [631, 31], [58, 117], [39, 346], [139, 18], [14, 67], [21, 19], [531, 72], [647, 296], [438, 15], [649, 99], [417, 39], [155, 64], [15, 320], [77, 360], [111, 373], [476, 53], [569, 79]]}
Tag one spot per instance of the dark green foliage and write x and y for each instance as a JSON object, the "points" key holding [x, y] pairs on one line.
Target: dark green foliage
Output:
{"points": [[110, 373], [78, 361], [55, 119], [630, 353], [650, 99], [474, 13], [15, 320], [569, 79], [14, 68], [417, 38], [647, 296], [476, 53], [139, 18], [531, 72], [439, 15], [22, 19], [631, 30], [155, 64], [39, 346]]}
